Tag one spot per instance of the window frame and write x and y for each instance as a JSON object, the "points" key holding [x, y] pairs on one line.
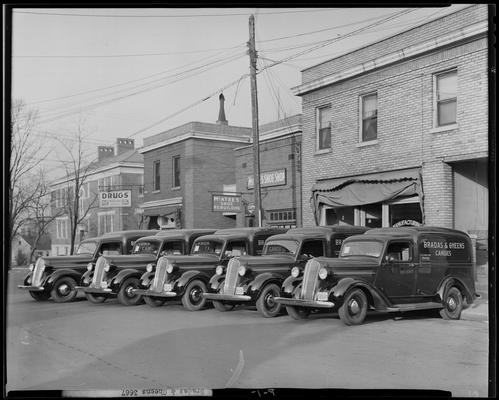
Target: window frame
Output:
{"points": [[361, 116], [156, 176], [176, 184], [318, 129], [436, 102]]}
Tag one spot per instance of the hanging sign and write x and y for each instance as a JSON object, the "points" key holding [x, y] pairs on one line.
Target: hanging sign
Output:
{"points": [[115, 198], [226, 203]]}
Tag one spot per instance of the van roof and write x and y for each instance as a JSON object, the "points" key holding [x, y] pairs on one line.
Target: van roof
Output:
{"points": [[314, 232], [408, 232]]}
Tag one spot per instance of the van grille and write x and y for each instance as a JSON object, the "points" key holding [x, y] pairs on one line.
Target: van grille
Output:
{"points": [[160, 275], [310, 277], [99, 272], [38, 272], [231, 277]]}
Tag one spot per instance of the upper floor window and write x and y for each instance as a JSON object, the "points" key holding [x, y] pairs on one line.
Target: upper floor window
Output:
{"points": [[445, 98], [155, 176], [369, 117], [176, 171], [323, 125], [105, 222], [141, 186]]}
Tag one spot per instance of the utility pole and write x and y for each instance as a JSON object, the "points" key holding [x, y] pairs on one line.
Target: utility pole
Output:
{"points": [[254, 113]]}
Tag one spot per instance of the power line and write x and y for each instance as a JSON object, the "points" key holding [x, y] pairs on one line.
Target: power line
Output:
{"points": [[170, 16]]}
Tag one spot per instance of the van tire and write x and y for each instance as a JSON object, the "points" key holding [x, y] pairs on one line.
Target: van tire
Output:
{"points": [[453, 304], [353, 311]]}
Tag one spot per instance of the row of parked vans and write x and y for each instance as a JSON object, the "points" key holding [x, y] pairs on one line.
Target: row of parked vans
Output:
{"points": [[345, 269]]}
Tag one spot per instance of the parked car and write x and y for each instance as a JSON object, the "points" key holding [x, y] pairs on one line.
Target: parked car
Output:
{"points": [[257, 280], [57, 276], [117, 276], [187, 277], [389, 270]]}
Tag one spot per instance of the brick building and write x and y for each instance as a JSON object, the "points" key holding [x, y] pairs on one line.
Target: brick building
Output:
{"points": [[119, 170], [280, 172], [184, 167], [397, 131]]}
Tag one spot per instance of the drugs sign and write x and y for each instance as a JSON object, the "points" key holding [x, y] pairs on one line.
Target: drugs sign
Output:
{"points": [[115, 198]]}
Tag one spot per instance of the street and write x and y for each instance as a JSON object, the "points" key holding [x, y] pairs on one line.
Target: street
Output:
{"points": [[84, 346]]}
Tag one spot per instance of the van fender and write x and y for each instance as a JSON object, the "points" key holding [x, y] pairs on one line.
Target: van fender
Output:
{"points": [[452, 281], [59, 274], [27, 279], [374, 296], [188, 276], [215, 282], [290, 284], [122, 275], [86, 278], [256, 286], [146, 278]]}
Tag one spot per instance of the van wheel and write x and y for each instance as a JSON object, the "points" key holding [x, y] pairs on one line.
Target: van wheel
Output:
{"points": [[353, 311], [266, 304], [40, 296], [453, 304], [93, 298], [125, 294], [64, 290], [193, 299], [221, 306], [297, 312], [154, 301]]}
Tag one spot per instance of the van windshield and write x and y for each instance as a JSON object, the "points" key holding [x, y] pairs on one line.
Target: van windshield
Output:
{"points": [[146, 247], [87, 247], [365, 248], [207, 247], [285, 246]]}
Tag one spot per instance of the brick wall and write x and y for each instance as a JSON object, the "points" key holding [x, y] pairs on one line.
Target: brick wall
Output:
{"points": [[405, 122], [274, 155]]}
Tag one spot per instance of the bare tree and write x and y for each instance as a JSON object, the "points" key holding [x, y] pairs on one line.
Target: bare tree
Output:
{"points": [[25, 156], [41, 216], [77, 172]]}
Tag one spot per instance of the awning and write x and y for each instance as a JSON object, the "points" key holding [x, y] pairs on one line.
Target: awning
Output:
{"points": [[366, 189], [164, 211]]}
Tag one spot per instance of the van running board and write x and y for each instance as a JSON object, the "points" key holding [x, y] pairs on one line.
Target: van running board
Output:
{"points": [[412, 307]]}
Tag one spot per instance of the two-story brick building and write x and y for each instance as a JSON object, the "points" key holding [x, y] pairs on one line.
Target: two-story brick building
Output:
{"points": [[184, 167], [118, 171], [280, 175], [396, 132]]}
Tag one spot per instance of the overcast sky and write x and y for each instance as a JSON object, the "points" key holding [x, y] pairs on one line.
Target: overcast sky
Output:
{"points": [[137, 72]]}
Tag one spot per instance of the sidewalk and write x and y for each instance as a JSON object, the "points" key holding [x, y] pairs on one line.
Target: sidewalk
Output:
{"points": [[479, 310]]}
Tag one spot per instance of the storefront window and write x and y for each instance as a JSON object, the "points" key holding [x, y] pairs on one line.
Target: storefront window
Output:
{"points": [[405, 214]]}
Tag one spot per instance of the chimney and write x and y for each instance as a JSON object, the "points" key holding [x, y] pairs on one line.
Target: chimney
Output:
{"points": [[221, 113], [104, 152], [123, 145]]}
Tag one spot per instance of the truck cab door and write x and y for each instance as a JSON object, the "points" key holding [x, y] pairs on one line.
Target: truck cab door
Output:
{"points": [[397, 273]]}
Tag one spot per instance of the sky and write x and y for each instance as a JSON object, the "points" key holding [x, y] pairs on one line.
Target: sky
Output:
{"points": [[136, 72]]}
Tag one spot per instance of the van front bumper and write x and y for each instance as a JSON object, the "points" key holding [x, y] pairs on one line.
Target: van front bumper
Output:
{"points": [[31, 288], [152, 293], [304, 303], [226, 297]]}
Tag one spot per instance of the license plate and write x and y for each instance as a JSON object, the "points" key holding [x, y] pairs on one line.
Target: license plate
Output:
{"points": [[103, 285], [322, 296], [167, 287], [239, 290]]}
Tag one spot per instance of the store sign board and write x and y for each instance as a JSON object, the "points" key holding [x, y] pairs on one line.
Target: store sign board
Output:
{"points": [[115, 198], [270, 178], [226, 203]]}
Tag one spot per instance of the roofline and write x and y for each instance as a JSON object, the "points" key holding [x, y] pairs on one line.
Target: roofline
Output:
{"points": [[398, 56]]}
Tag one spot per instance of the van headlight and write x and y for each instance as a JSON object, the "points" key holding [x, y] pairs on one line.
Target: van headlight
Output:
{"points": [[323, 273], [169, 269], [107, 268], [242, 270], [295, 272], [149, 268], [219, 270], [89, 267], [31, 267]]}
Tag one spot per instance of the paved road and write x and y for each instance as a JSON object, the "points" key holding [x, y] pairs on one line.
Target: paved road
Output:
{"points": [[109, 346]]}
